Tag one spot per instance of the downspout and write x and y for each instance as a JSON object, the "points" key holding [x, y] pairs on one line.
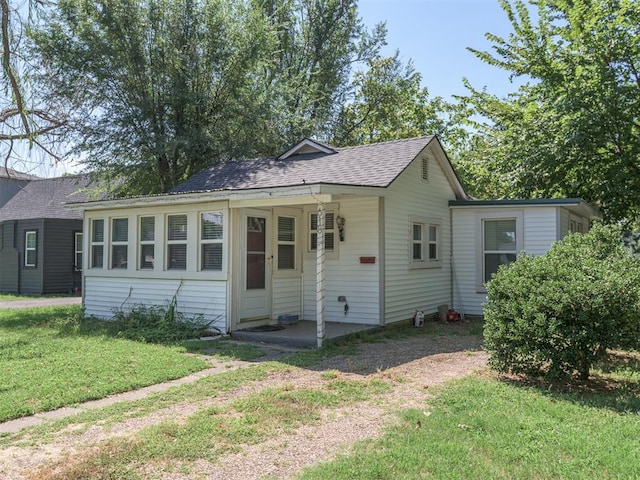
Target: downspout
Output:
{"points": [[451, 264]]}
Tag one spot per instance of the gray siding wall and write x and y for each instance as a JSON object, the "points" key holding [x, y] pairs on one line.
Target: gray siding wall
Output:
{"points": [[30, 279], [9, 258], [58, 254]]}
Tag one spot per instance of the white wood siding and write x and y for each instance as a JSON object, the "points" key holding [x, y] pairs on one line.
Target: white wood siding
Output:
{"points": [[194, 298], [287, 296], [346, 276], [409, 289], [539, 228]]}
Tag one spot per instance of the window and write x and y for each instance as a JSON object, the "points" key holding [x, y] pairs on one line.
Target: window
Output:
{"points": [[499, 245], [77, 250], [97, 243], [119, 242], [30, 252], [425, 242], [417, 242], [329, 231], [287, 243], [211, 230], [147, 245], [575, 226], [177, 242]]}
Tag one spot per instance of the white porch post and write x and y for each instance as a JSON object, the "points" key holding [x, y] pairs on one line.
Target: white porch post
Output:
{"points": [[320, 277]]}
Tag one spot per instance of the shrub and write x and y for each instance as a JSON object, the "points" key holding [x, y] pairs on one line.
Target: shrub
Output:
{"points": [[556, 314], [160, 324]]}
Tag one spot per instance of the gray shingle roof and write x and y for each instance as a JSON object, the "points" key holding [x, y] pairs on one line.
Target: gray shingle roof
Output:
{"points": [[375, 165], [45, 198], [14, 174]]}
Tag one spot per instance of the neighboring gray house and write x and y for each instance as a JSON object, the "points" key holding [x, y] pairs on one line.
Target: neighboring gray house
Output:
{"points": [[241, 242], [40, 239], [11, 182]]}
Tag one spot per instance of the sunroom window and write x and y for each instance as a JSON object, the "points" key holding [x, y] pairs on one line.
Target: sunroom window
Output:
{"points": [[177, 242], [211, 239]]}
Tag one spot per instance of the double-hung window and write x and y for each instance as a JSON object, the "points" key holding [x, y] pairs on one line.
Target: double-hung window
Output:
{"points": [[499, 245], [119, 242], [211, 240], [176, 242], [97, 243], [77, 250], [425, 242], [287, 242], [329, 231], [147, 245], [30, 248]]}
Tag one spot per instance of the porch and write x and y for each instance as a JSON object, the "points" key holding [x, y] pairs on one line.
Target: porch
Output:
{"points": [[301, 334]]}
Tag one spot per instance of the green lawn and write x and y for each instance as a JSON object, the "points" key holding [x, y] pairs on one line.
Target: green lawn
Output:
{"points": [[485, 428], [50, 358]]}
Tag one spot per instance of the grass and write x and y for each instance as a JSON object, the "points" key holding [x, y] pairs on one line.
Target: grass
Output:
{"points": [[51, 357], [486, 427], [212, 432]]}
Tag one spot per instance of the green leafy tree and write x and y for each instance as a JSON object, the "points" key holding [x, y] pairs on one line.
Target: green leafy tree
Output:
{"points": [[163, 89], [573, 128], [389, 102], [159, 89], [557, 314]]}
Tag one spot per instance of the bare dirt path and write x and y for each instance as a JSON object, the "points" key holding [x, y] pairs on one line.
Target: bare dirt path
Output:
{"points": [[410, 365]]}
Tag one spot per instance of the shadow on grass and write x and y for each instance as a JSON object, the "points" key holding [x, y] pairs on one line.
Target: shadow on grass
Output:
{"points": [[614, 385]]}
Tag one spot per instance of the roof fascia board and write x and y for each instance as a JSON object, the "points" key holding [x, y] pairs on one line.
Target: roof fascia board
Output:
{"points": [[185, 198], [447, 167], [574, 204]]}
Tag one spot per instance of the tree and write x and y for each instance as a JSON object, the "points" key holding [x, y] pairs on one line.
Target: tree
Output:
{"points": [[165, 88], [24, 118], [388, 102], [557, 314], [573, 129]]}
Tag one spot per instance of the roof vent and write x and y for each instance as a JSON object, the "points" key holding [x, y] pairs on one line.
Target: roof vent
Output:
{"points": [[307, 146]]}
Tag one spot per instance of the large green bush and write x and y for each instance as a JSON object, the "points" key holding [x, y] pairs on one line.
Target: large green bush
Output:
{"points": [[555, 315]]}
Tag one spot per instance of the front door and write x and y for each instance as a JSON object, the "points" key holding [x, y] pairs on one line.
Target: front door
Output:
{"points": [[255, 303]]}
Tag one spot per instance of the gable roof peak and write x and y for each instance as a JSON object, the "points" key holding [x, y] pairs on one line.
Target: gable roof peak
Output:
{"points": [[307, 145]]}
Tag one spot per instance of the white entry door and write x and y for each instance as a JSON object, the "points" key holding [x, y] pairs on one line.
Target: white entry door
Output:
{"points": [[255, 302]]}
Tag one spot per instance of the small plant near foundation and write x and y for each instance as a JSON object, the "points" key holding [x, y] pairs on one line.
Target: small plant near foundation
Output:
{"points": [[161, 324]]}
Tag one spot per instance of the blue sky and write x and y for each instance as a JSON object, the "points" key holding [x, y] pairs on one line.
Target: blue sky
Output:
{"points": [[435, 34]]}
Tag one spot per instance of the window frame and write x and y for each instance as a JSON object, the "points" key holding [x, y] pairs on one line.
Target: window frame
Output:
{"points": [[481, 218], [95, 243], [294, 243], [113, 244], [28, 249], [78, 249], [425, 260], [169, 242], [202, 242], [142, 243]]}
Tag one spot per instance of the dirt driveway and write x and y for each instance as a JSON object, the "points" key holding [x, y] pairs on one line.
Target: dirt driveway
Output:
{"points": [[410, 365]]}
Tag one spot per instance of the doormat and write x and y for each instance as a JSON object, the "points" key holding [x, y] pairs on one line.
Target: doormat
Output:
{"points": [[264, 328]]}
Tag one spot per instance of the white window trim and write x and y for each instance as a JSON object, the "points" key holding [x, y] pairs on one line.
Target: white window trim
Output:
{"points": [[27, 249], [518, 216], [78, 248], [202, 241], [114, 243], [142, 242], [425, 223], [176, 242], [329, 254], [93, 244]]}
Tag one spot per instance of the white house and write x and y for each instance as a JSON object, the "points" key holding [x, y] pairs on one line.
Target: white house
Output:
{"points": [[242, 242]]}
